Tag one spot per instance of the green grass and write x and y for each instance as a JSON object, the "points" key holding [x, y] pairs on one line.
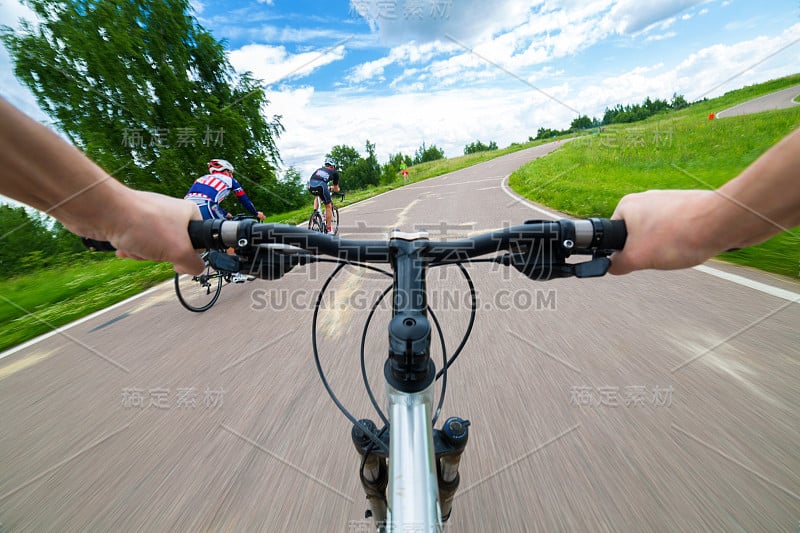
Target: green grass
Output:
{"points": [[679, 150], [37, 303]]}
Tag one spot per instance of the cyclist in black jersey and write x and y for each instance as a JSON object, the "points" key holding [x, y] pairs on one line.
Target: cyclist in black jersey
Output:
{"points": [[318, 185]]}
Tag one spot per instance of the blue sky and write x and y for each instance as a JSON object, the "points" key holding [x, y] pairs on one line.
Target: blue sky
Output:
{"points": [[449, 72]]}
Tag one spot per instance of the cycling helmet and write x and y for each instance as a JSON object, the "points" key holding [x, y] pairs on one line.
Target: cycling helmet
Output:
{"points": [[219, 165], [329, 162]]}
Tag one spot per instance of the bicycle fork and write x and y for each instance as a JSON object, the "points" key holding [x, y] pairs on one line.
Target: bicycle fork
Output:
{"points": [[448, 444]]}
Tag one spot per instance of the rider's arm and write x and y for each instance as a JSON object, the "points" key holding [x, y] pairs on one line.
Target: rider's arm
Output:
{"points": [[43, 171], [679, 229], [238, 190]]}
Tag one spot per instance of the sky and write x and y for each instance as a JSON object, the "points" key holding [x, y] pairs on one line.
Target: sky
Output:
{"points": [[400, 73]]}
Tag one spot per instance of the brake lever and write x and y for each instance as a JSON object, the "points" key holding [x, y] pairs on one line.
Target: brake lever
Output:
{"points": [[594, 268], [223, 261], [543, 270]]}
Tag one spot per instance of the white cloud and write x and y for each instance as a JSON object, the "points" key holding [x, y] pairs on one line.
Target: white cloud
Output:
{"points": [[273, 64], [451, 117], [700, 74], [403, 55], [661, 36], [516, 39], [433, 20], [632, 16]]}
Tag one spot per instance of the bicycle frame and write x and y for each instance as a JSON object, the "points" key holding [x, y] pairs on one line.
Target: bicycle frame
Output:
{"points": [[413, 489]]}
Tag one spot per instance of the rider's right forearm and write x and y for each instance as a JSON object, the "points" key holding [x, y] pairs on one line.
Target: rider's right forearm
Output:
{"points": [[47, 173], [762, 201]]}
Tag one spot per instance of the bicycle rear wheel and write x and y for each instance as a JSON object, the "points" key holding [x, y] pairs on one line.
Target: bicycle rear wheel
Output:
{"points": [[198, 293], [335, 222], [316, 223]]}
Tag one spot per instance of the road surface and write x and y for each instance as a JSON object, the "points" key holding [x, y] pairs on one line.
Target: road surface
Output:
{"points": [[782, 99], [658, 401]]}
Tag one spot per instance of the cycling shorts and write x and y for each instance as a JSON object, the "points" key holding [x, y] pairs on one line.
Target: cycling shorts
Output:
{"points": [[208, 209], [320, 188]]}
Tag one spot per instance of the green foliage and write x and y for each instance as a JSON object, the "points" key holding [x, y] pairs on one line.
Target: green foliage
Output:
{"points": [[292, 191], [544, 134], [681, 150], [356, 172], [620, 114], [425, 154], [147, 93], [678, 102], [30, 241], [478, 146], [343, 156], [582, 122]]}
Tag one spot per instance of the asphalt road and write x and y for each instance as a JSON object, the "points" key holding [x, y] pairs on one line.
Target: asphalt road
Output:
{"points": [[782, 99], [658, 401]]}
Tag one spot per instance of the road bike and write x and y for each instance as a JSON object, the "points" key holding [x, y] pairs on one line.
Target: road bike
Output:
{"points": [[409, 470], [199, 293], [316, 222]]}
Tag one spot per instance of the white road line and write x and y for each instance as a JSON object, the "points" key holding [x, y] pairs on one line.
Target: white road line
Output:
{"points": [[740, 280]]}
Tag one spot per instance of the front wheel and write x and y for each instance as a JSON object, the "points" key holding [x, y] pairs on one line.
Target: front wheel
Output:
{"points": [[335, 221], [198, 293], [316, 223]]}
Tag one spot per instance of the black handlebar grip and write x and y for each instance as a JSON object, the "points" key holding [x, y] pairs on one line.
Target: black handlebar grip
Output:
{"points": [[97, 246], [615, 233], [197, 234]]}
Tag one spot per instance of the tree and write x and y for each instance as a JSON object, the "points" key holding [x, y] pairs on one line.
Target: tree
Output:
{"points": [[478, 146], [356, 172], [292, 190], [425, 154], [344, 157], [547, 133], [25, 236], [581, 123], [146, 92], [678, 101]]}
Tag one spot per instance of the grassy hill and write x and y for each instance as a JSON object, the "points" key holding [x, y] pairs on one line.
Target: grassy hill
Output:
{"points": [[675, 150]]}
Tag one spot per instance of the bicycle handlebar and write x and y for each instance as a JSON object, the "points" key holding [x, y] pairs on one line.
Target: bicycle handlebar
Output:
{"points": [[588, 236], [536, 248]]}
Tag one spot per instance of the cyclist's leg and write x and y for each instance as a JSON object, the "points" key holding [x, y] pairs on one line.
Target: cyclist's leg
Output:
{"points": [[329, 216], [326, 198]]}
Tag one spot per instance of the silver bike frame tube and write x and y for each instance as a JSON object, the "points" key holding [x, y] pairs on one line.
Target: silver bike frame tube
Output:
{"points": [[413, 491]]}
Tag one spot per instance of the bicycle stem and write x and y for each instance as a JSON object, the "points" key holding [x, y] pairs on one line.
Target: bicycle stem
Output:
{"points": [[409, 367]]}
